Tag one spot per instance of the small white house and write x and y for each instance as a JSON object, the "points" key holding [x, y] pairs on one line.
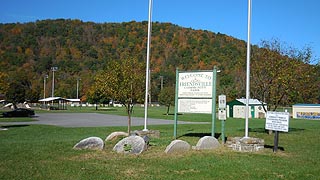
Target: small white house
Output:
{"points": [[306, 111], [236, 108]]}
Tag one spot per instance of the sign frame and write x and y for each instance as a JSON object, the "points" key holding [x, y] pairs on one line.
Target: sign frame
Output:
{"points": [[222, 99], [277, 121], [195, 86]]}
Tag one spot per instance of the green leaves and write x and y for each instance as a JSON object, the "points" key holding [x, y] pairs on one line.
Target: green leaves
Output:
{"points": [[166, 97], [122, 80], [81, 49]]}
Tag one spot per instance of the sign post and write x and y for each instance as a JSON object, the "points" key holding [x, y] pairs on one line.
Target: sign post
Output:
{"points": [[214, 84], [277, 121], [176, 105], [222, 114]]}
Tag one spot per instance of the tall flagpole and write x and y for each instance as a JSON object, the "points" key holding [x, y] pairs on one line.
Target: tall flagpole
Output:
{"points": [[248, 72], [147, 69]]}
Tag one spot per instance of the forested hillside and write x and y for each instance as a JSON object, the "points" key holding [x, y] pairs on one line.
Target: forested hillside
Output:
{"points": [[81, 49]]}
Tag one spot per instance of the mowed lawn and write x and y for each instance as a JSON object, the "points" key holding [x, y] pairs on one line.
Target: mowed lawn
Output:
{"points": [[45, 152]]}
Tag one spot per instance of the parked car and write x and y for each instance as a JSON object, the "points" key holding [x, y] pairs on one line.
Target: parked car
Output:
{"points": [[117, 104], [19, 112]]}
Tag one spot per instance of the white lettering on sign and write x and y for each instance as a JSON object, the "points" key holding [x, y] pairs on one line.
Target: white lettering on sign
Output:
{"points": [[277, 121]]}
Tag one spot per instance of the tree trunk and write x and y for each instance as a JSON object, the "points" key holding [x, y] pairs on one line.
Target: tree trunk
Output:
{"points": [[129, 107], [129, 119]]}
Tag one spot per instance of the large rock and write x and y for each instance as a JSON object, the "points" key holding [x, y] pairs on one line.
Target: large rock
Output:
{"points": [[207, 142], [177, 146], [149, 133], [95, 143], [116, 135], [131, 144]]}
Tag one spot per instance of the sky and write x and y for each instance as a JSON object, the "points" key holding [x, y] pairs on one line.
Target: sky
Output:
{"points": [[295, 23]]}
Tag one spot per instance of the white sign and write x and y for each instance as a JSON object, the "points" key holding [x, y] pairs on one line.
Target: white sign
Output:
{"points": [[277, 121], [195, 105], [195, 84], [222, 115], [222, 101]]}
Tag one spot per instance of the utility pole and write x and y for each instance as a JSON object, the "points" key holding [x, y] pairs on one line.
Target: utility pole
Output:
{"points": [[78, 79], [161, 82]]}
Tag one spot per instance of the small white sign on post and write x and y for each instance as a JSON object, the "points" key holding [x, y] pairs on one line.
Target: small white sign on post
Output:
{"points": [[277, 121], [222, 114], [222, 101]]}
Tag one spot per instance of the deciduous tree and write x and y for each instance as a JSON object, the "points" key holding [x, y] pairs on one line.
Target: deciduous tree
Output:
{"points": [[280, 78], [4, 83], [123, 81], [166, 97]]}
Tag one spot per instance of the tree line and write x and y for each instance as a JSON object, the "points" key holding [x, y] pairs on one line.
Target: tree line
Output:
{"points": [[281, 75]]}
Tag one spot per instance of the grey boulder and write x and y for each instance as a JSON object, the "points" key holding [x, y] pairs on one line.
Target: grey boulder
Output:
{"points": [[131, 145], [116, 135], [94, 143], [177, 146], [207, 142]]}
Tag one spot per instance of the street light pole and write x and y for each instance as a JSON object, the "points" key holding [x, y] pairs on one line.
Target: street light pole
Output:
{"points": [[53, 69], [44, 85], [161, 82]]}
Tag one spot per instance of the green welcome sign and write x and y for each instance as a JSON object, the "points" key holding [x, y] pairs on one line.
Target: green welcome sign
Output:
{"points": [[195, 93]]}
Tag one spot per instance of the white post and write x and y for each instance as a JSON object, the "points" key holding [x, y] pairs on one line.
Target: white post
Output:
{"points": [[78, 87], [52, 88], [53, 70], [248, 72], [147, 68], [44, 86]]}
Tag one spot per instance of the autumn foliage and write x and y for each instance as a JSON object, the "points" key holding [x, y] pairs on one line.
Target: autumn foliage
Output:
{"points": [[83, 49]]}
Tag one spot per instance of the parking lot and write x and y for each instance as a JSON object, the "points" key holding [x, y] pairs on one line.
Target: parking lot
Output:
{"points": [[92, 120]]}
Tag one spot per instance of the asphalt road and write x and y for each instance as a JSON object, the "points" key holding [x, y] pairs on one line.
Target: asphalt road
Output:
{"points": [[92, 120]]}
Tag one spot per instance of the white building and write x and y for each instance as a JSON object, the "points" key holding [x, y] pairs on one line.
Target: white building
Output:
{"points": [[236, 108], [306, 111]]}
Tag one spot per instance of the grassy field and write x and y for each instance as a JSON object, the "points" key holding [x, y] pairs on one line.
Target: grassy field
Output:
{"points": [[45, 152], [138, 111]]}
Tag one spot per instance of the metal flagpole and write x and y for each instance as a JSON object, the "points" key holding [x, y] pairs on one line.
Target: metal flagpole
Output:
{"points": [[248, 72], [147, 68]]}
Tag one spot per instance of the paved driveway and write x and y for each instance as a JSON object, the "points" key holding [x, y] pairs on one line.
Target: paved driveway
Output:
{"points": [[92, 120]]}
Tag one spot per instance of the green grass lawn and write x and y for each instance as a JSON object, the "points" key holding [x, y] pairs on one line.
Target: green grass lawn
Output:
{"points": [[138, 111], [45, 152]]}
